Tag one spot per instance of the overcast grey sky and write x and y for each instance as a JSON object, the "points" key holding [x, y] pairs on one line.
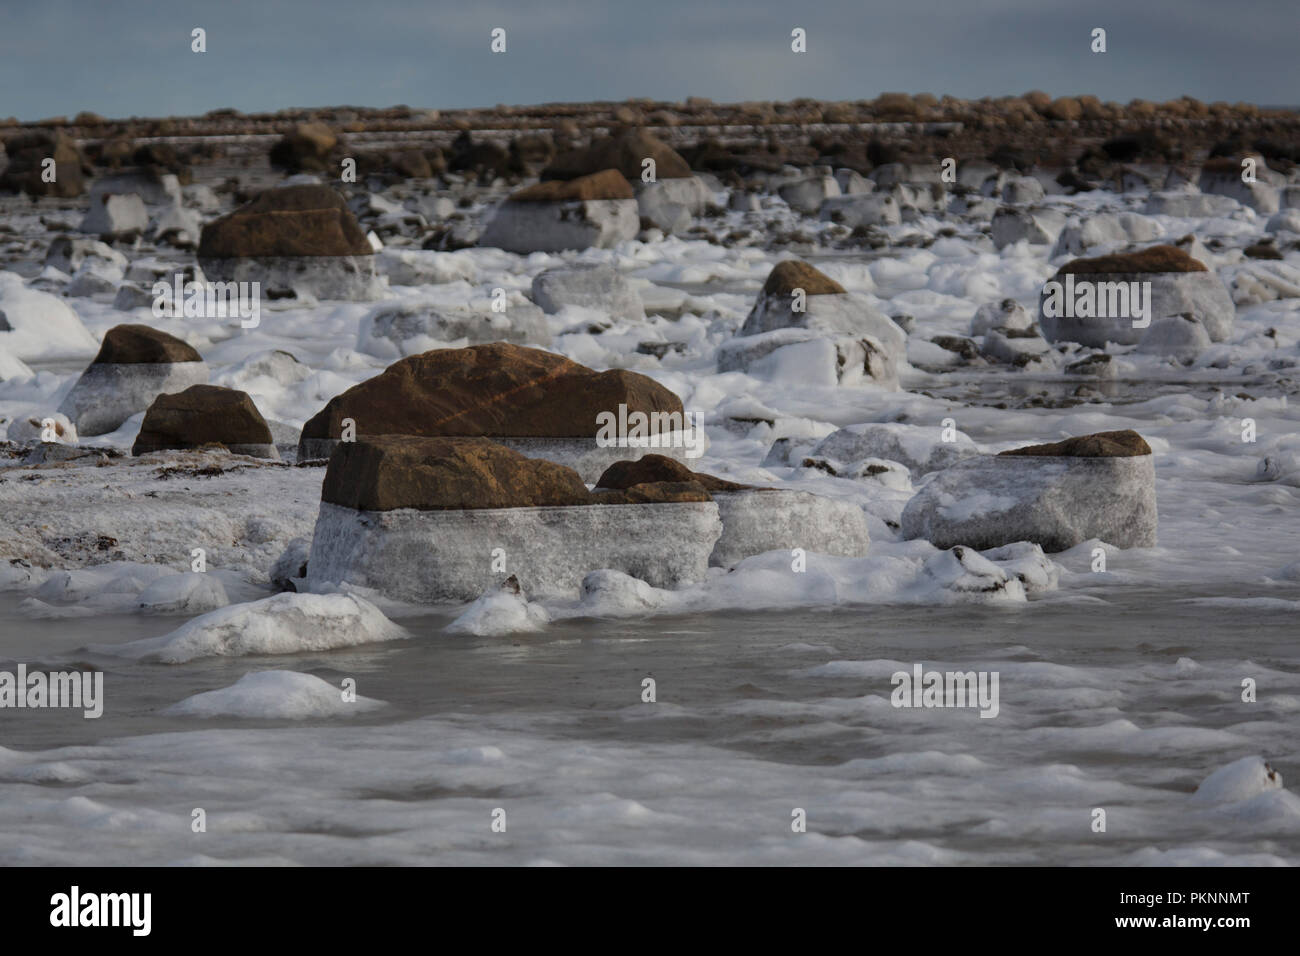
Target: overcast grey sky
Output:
{"points": [[132, 57]]}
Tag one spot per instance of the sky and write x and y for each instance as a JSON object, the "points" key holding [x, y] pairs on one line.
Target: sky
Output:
{"points": [[123, 58]]}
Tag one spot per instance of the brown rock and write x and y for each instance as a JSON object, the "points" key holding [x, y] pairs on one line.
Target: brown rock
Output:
{"points": [[624, 151], [27, 153], [288, 221], [609, 184], [496, 390], [201, 415], [794, 274], [651, 469], [1119, 444], [1152, 259], [387, 472], [142, 345], [305, 148]]}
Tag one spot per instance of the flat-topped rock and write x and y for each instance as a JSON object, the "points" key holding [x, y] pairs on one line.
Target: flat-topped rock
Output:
{"points": [[291, 238], [1056, 495], [1104, 299], [134, 366], [387, 472], [140, 344], [205, 415], [650, 469], [1116, 444], [286, 221], [496, 391], [596, 211], [1150, 260], [803, 320]]}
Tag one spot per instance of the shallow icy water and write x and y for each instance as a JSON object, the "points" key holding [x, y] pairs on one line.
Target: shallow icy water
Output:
{"points": [[1124, 704]]}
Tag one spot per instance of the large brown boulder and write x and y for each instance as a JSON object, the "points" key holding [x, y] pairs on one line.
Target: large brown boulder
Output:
{"points": [[390, 472], [624, 151], [651, 469], [140, 344], [287, 221], [205, 415], [1117, 444], [496, 390], [608, 184], [27, 154]]}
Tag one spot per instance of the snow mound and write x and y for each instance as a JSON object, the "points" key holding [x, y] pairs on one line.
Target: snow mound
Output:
{"points": [[286, 623], [282, 695], [499, 612]]}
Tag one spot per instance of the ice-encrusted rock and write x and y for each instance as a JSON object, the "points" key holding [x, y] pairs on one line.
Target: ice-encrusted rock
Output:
{"points": [[1179, 286], [860, 343], [292, 239], [967, 574], [281, 624], [134, 366], [422, 519], [1190, 205], [807, 195], [1036, 225], [394, 330], [594, 286], [1007, 314], [289, 572], [68, 254], [1240, 780], [890, 174], [499, 611], [176, 225], [12, 368], [759, 520], [671, 204], [204, 415], [1056, 498], [596, 211], [274, 695], [50, 427], [184, 593], [1022, 190], [863, 209], [754, 520], [1015, 346], [1178, 337], [853, 183], [113, 216], [919, 448], [1223, 177], [741, 201], [1264, 281], [150, 186], [426, 267], [1288, 220], [805, 356], [89, 281], [890, 474], [130, 297], [35, 325], [1077, 238]]}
